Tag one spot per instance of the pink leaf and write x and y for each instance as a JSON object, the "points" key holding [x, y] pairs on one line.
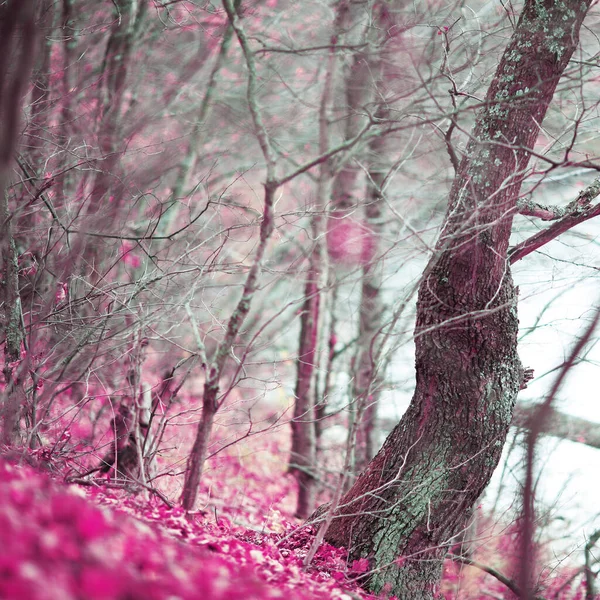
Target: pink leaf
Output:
{"points": [[360, 566]]}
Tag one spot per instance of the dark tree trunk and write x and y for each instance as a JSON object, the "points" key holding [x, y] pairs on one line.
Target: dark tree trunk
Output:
{"points": [[416, 494], [304, 431], [17, 43]]}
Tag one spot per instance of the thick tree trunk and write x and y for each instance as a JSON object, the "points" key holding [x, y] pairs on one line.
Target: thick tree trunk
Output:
{"points": [[414, 498]]}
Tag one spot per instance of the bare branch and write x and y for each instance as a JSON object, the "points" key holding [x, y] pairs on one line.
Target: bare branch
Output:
{"points": [[260, 129], [509, 583], [561, 425], [577, 212]]}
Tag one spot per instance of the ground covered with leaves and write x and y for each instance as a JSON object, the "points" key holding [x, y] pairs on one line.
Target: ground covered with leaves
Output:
{"points": [[69, 542]]}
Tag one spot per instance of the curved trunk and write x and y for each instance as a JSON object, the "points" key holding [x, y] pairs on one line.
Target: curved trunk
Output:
{"points": [[416, 494]]}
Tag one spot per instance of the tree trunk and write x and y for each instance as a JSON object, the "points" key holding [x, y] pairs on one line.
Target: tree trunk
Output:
{"points": [[363, 94], [188, 163], [17, 43], [304, 431], [106, 195], [367, 378], [195, 465], [210, 403], [414, 498], [40, 93]]}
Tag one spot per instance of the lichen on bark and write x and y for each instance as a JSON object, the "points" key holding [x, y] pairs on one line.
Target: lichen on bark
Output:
{"points": [[414, 498]]}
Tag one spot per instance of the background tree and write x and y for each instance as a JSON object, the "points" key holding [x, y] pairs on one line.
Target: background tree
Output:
{"points": [[18, 34]]}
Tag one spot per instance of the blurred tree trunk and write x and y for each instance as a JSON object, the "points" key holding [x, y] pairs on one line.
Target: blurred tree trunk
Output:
{"points": [[336, 224], [404, 511], [40, 94], [106, 196], [186, 169], [17, 43], [303, 453], [129, 456], [367, 376], [364, 95]]}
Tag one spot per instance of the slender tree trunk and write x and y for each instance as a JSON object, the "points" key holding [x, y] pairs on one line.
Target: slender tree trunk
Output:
{"points": [[329, 376], [40, 93], [186, 168], [303, 452], [362, 90], [105, 197], [199, 450], [210, 403], [69, 56], [414, 498], [367, 376]]}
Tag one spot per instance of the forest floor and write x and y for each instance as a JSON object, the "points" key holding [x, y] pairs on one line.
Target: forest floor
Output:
{"points": [[66, 541]]}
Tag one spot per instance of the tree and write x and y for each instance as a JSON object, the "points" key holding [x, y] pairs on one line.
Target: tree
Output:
{"points": [[183, 168], [335, 226], [415, 496], [17, 34]]}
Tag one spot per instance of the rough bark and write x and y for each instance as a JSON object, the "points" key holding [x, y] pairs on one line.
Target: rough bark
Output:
{"points": [[415, 496]]}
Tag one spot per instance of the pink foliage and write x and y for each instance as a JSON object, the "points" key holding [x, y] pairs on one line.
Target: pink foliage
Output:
{"points": [[63, 543], [57, 544], [349, 242], [128, 257]]}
